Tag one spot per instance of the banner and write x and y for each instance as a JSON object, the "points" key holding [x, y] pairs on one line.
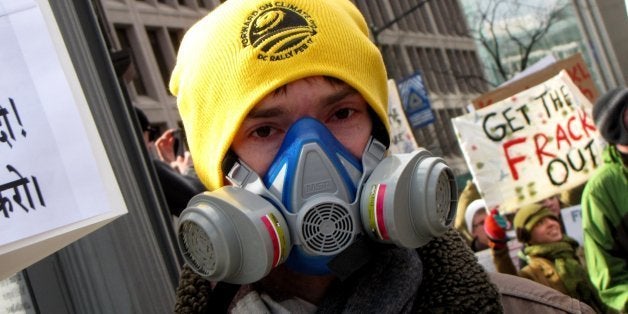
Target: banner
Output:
{"points": [[415, 101], [532, 145], [56, 183], [401, 137]]}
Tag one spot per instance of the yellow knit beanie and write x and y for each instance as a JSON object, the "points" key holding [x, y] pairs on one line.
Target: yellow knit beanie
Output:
{"points": [[245, 49], [527, 217]]}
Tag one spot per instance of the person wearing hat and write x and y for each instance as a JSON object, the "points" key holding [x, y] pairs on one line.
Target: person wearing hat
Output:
{"points": [[475, 215], [551, 256], [488, 229], [468, 194], [253, 79], [605, 203]]}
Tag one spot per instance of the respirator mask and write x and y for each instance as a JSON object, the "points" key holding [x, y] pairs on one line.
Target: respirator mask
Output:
{"points": [[314, 202]]}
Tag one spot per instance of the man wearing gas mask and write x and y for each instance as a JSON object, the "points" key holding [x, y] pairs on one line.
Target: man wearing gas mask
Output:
{"points": [[284, 104]]}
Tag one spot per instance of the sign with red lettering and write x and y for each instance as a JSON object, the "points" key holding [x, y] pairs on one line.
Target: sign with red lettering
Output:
{"points": [[532, 145]]}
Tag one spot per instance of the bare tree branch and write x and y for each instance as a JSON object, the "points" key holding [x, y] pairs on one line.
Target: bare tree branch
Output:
{"points": [[504, 34]]}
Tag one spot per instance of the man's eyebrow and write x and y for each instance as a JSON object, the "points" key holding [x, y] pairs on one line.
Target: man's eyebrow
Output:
{"points": [[339, 95], [265, 113]]}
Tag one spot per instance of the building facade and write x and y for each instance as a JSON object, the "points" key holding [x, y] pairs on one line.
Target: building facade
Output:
{"points": [[425, 36], [603, 24], [430, 37]]}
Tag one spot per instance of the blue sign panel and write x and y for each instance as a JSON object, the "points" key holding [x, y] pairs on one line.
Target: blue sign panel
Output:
{"points": [[415, 101]]}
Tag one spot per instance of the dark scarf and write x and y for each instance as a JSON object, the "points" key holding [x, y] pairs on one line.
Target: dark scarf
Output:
{"points": [[445, 279], [572, 274]]}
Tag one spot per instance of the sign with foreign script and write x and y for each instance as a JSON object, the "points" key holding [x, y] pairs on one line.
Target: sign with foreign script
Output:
{"points": [[415, 101], [56, 183], [402, 139], [532, 145]]}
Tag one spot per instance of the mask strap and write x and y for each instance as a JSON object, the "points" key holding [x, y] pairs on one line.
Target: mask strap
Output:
{"points": [[241, 175], [373, 154]]}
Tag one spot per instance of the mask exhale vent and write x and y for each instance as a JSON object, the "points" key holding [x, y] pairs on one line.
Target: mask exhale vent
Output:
{"points": [[198, 248], [446, 201], [327, 228]]}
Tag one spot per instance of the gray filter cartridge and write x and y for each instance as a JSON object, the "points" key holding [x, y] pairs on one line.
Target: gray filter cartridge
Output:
{"points": [[232, 235], [409, 199]]}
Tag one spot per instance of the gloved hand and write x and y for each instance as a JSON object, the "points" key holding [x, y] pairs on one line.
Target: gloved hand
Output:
{"points": [[495, 226]]}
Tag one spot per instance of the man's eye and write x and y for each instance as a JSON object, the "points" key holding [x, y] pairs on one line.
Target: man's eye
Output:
{"points": [[343, 113], [264, 131]]}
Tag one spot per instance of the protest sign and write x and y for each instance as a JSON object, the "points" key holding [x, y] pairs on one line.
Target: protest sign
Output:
{"points": [[532, 145], [415, 102], [485, 257], [575, 67], [572, 220], [56, 183], [401, 137]]}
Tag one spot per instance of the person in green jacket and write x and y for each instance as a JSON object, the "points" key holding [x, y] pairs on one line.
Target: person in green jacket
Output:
{"points": [[605, 204]]}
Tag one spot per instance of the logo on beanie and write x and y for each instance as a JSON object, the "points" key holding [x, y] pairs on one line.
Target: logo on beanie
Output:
{"points": [[278, 31]]}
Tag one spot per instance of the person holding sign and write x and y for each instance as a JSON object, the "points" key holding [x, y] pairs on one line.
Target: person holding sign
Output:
{"points": [[488, 231], [605, 203], [284, 106], [551, 257]]}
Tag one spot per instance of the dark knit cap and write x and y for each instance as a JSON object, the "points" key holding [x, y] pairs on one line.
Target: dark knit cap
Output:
{"points": [[608, 114], [528, 216]]}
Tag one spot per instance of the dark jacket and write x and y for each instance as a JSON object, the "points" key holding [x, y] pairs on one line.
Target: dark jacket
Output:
{"points": [[177, 188], [450, 281]]}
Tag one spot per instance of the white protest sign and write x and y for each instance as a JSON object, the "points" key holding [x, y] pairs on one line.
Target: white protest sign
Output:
{"points": [[485, 257], [572, 220], [532, 145], [415, 101], [401, 137], [56, 183]]}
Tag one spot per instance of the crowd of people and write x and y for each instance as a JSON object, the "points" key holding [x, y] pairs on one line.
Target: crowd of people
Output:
{"points": [[596, 271], [272, 90]]}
